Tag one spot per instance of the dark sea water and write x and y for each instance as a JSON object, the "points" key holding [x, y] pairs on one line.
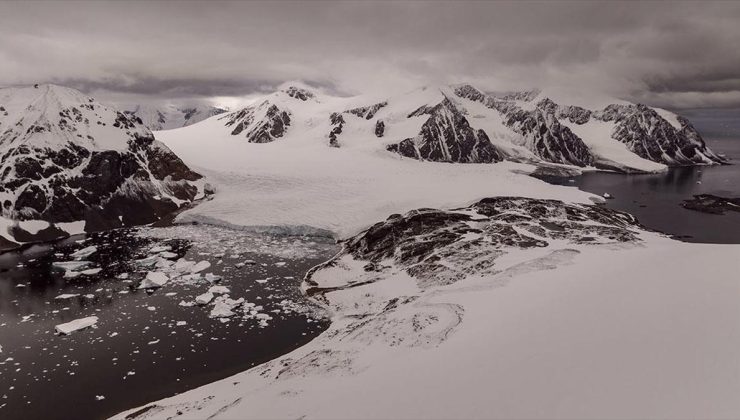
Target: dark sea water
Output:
{"points": [[145, 346], [655, 199]]}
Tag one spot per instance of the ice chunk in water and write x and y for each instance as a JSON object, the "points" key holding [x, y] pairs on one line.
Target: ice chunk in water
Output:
{"points": [[202, 265], [204, 298], [84, 252], [70, 265], [218, 290], [66, 296], [153, 279], [77, 324]]}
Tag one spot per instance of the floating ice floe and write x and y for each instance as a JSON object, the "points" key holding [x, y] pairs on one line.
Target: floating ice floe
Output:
{"points": [[607, 196], [77, 324], [160, 248], [148, 261], [84, 252], [223, 306], [202, 265], [70, 265], [218, 290], [91, 271], [204, 299], [182, 265], [66, 296], [153, 280], [168, 255], [212, 278]]}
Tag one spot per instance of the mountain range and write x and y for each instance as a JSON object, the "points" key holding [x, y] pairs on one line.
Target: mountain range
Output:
{"points": [[167, 117], [71, 164]]}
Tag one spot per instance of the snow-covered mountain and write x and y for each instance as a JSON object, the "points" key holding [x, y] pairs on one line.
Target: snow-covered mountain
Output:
{"points": [[71, 164], [167, 117], [465, 125]]}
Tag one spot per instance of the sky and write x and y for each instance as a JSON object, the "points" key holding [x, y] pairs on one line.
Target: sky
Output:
{"points": [[678, 55]]}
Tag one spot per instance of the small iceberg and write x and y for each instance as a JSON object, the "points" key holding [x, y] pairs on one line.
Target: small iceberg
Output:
{"points": [[77, 324], [66, 296], [84, 252], [202, 265], [70, 265], [154, 279]]}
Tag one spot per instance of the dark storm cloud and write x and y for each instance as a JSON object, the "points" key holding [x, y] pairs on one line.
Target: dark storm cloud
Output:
{"points": [[170, 88], [679, 54]]}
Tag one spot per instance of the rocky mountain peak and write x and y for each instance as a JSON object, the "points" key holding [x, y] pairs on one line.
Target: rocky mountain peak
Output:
{"points": [[68, 159]]}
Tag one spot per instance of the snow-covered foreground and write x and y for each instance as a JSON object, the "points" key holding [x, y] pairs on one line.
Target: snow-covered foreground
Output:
{"points": [[625, 330]]}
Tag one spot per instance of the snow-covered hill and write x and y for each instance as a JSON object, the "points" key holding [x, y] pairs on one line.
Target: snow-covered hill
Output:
{"points": [[71, 164], [167, 117]]}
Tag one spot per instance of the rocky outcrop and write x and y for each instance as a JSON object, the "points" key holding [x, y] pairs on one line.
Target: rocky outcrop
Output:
{"points": [[540, 127], [446, 136], [709, 203], [650, 136], [337, 122], [643, 129], [379, 128], [66, 158], [547, 138], [443, 246], [262, 123], [367, 112], [299, 93]]}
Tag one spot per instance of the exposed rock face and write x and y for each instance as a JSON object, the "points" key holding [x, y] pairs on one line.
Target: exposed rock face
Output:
{"points": [[542, 132], [262, 123], [367, 112], [379, 128], [652, 137], [441, 247], [66, 158], [547, 138], [299, 93], [337, 121], [447, 136], [641, 128]]}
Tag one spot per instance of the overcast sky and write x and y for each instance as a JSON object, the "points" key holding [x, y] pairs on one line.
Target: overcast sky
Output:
{"points": [[678, 55]]}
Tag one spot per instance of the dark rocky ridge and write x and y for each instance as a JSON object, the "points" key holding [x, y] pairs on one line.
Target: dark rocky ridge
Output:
{"points": [[641, 128], [650, 136], [262, 123], [446, 136], [712, 204], [443, 246]]}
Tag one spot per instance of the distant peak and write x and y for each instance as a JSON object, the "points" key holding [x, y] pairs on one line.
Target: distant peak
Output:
{"points": [[299, 93]]}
